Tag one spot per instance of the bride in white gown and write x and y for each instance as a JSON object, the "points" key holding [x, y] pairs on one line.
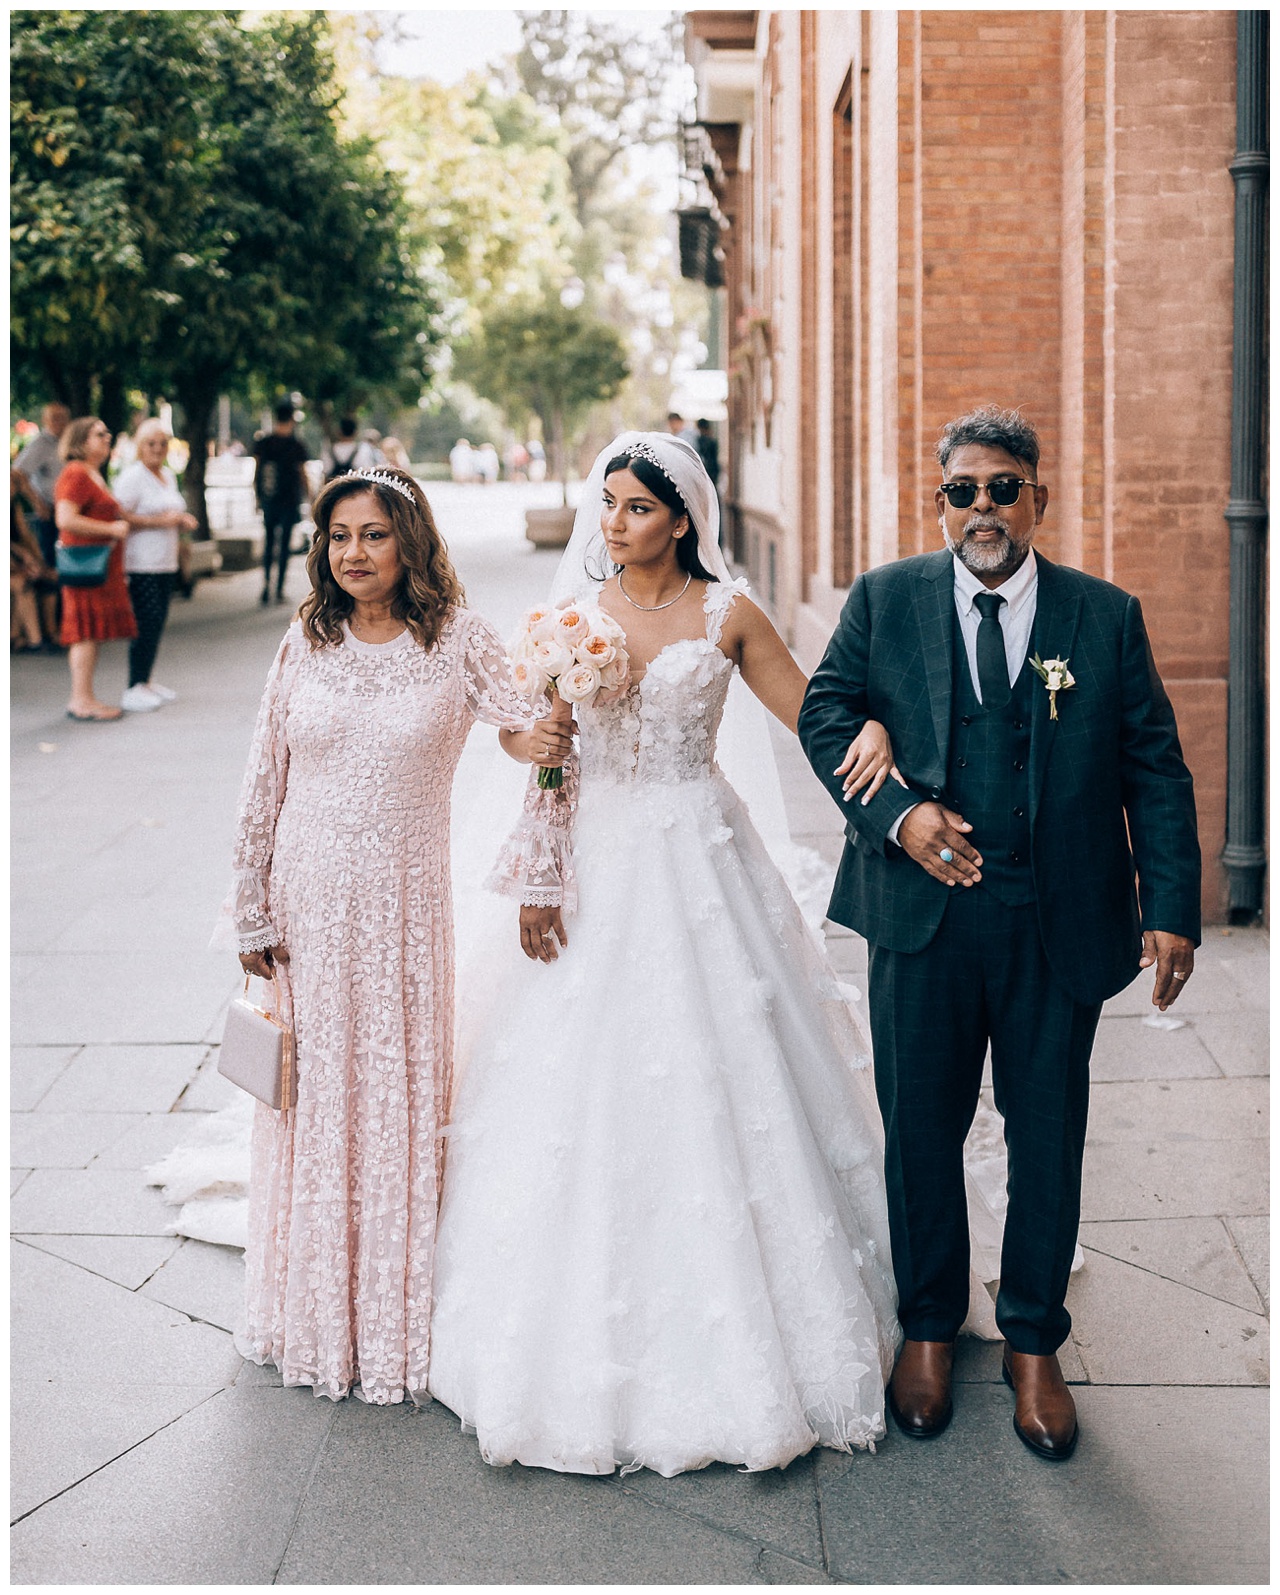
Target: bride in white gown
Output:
{"points": [[663, 1238]]}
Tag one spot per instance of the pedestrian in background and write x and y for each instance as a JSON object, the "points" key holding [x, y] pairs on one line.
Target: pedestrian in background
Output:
{"points": [[280, 483], [39, 466], [149, 494], [86, 513], [462, 464], [27, 574], [709, 452], [350, 453]]}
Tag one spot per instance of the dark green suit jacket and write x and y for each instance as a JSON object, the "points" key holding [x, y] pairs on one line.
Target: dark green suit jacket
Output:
{"points": [[1111, 797]]}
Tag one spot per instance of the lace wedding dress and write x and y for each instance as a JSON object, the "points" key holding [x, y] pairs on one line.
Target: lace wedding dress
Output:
{"points": [[342, 855], [663, 1238]]}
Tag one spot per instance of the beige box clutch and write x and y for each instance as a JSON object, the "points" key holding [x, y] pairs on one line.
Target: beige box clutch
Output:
{"points": [[257, 1053]]}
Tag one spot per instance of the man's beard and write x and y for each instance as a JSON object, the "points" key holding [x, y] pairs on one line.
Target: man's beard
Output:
{"points": [[1000, 558]]}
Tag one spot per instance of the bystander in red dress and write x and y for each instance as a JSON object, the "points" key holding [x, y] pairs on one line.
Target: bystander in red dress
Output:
{"points": [[94, 614]]}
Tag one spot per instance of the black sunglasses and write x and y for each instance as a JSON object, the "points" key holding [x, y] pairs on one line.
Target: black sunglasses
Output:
{"points": [[1002, 490]]}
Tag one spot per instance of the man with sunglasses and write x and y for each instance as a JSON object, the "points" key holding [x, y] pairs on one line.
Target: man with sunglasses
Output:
{"points": [[997, 890]]}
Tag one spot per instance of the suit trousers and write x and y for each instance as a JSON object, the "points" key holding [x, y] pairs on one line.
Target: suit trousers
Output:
{"points": [[984, 978]]}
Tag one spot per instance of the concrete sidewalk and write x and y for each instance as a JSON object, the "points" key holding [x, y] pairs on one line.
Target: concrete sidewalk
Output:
{"points": [[146, 1452]]}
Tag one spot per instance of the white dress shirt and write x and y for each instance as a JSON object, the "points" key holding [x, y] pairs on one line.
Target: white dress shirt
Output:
{"points": [[1016, 615]]}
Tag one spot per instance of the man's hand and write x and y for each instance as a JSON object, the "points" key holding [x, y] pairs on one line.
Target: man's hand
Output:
{"points": [[929, 829], [540, 930], [1174, 958]]}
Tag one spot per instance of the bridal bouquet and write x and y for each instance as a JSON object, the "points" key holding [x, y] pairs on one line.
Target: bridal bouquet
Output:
{"points": [[574, 652]]}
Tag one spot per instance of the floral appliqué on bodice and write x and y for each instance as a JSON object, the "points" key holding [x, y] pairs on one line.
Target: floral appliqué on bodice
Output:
{"points": [[660, 732]]}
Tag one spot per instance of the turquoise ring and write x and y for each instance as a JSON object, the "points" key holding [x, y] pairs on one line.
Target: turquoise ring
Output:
{"points": [[946, 855]]}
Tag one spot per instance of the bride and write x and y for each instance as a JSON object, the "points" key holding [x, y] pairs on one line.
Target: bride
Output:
{"points": [[663, 1238]]}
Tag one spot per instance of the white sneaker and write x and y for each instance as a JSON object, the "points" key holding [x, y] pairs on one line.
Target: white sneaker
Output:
{"points": [[165, 694], [139, 699]]}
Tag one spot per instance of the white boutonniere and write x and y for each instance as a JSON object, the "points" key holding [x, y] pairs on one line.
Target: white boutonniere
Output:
{"points": [[1056, 677]]}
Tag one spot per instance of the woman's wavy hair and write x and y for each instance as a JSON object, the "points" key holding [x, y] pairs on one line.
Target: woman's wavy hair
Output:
{"points": [[665, 490], [75, 438], [429, 588]]}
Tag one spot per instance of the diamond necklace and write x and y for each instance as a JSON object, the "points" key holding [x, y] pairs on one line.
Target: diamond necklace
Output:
{"points": [[651, 609]]}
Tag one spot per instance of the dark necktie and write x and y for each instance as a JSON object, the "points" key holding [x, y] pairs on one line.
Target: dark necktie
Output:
{"points": [[993, 663]]}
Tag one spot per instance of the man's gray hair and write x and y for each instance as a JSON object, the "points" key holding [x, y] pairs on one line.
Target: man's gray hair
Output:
{"points": [[996, 429]]}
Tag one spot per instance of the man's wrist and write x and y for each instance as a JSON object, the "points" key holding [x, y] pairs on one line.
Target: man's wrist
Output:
{"points": [[892, 834]]}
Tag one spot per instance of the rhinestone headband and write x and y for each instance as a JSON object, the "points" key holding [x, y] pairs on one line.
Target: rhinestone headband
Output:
{"points": [[646, 451], [384, 479]]}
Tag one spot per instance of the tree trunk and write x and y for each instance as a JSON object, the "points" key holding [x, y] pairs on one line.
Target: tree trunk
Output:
{"points": [[113, 411], [198, 409], [558, 467]]}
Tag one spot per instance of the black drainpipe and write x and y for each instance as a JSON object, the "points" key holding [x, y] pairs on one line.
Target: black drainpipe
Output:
{"points": [[1245, 856]]}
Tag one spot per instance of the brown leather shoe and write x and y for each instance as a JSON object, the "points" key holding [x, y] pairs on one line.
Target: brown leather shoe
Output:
{"points": [[1044, 1414], [920, 1389]]}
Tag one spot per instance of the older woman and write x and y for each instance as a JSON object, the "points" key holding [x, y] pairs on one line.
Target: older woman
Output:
{"points": [[343, 896], [85, 512], [149, 494]]}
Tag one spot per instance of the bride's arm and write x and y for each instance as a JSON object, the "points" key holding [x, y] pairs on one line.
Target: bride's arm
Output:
{"points": [[773, 675]]}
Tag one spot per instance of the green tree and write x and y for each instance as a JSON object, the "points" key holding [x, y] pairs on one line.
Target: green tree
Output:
{"points": [[546, 359], [190, 218]]}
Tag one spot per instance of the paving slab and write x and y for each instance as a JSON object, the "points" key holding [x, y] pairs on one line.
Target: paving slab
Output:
{"points": [[208, 1500], [1239, 1042], [1253, 1241], [1184, 1180], [204, 1281], [88, 1202], [1164, 1488], [147, 1138], [32, 1070], [128, 1260], [61, 1309], [433, 1512], [1196, 1252], [61, 1434], [124, 1079], [1129, 1049], [52, 1140], [208, 1091], [1134, 1327], [1212, 989], [1179, 1111], [116, 997], [779, 1508]]}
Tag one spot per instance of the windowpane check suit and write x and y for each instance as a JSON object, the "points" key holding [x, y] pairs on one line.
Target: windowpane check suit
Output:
{"points": [[1090, 839]]}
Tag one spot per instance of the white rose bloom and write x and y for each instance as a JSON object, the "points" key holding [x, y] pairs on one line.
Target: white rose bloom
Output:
{"points": [[545, 628], [615, 673], [579, 684], [552, 657], [595, 649], [531, 682], [572, 626]]}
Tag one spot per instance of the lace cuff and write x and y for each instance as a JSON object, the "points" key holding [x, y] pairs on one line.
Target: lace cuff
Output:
{"points": [[536, 861]]}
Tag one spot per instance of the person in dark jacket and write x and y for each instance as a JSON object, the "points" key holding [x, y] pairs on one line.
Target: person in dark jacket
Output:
{"points": [[997, 889]]}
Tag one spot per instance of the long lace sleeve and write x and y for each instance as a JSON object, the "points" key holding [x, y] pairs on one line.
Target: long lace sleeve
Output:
{"points": [[488, 682], [536, 861], [247, 909]]}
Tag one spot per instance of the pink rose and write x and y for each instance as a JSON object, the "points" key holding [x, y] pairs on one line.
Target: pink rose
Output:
{"points": [[578, 684]]}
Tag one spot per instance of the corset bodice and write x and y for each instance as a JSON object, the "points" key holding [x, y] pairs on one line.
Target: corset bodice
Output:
{"points": [[664, 729]]}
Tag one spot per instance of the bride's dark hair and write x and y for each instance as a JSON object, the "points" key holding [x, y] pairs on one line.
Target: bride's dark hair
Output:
{"points": [[664, 489]]}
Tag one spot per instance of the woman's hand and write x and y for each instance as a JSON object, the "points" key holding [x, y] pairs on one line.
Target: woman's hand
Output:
{"points": [[868, 762], [263, 964], [548, 744], [540, 930]]}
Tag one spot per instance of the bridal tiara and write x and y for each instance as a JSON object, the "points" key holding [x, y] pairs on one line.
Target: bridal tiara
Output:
{"points": [[385, 479], [646, 451]]}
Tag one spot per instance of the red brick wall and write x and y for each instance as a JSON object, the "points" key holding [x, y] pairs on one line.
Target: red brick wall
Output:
{"points": [[1174, 207]]}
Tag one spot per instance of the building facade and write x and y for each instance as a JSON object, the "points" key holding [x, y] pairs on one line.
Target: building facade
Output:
{"points": [[915, 212]]}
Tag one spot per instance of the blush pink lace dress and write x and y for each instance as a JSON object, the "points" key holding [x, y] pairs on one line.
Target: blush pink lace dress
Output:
{"points": [[342, 855]]}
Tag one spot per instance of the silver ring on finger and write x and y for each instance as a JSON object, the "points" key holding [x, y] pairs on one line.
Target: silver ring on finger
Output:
{"points": [[1181, 974], [947, 856]]}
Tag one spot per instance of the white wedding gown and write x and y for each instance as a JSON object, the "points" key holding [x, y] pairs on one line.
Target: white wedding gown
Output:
{"points": [[663, 1238]]}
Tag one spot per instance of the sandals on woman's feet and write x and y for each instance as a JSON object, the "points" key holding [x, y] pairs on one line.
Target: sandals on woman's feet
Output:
{"points": [[106, 714]]}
